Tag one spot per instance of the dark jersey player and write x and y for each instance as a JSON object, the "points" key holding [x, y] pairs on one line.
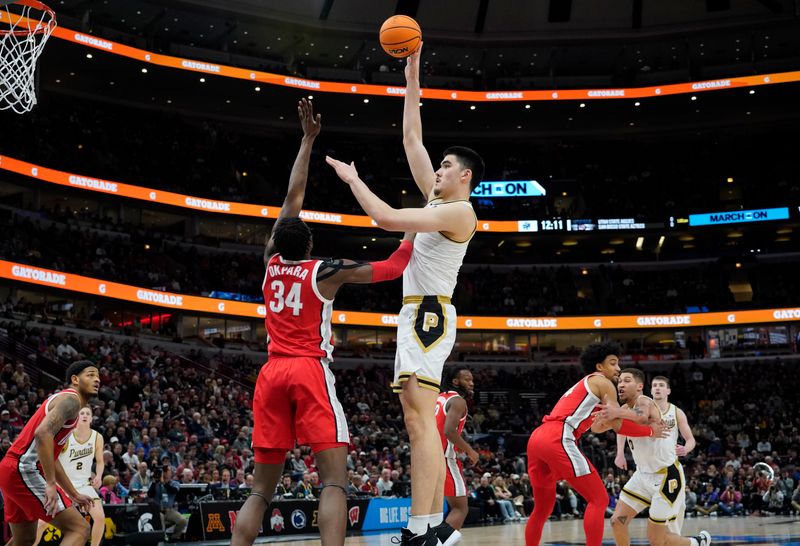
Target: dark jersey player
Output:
{"points": [[33, 482], [553, 452], [295, 396]]}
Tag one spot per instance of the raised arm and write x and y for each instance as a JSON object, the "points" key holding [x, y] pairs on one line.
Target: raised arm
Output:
{"points": [[686, 434], [332, 274], [296, 193], [450, 217], [456, 409], [418, 159]]}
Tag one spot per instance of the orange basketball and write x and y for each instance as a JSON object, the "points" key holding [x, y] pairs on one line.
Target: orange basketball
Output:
{"points": [[400, 36]]}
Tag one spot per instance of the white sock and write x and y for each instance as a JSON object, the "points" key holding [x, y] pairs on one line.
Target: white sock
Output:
{"points": [[694, 541], [419, 525], [436, 519]]}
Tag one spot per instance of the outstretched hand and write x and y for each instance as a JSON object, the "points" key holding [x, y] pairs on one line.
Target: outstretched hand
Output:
{"points": [[311, 124], [412, 65], [347, 173]]}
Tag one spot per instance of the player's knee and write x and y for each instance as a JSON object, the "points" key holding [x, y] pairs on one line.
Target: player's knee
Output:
{"points": [[80, 528], [656, 534]]}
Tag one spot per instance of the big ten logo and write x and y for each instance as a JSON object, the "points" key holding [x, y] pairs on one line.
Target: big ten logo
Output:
{"points": [[214, 523], [232, 517], [51, 534], [430, 321], [111, 529]]}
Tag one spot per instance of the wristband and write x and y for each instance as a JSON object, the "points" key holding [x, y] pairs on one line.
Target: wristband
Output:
{"points": [[629, 428]]}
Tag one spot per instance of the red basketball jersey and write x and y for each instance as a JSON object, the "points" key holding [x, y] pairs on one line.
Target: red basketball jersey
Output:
{"points": [[298, 318], [575, 408], [24, 447], [450, 450]]}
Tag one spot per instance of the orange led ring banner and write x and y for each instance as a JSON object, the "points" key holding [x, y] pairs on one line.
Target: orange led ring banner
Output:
{"points": [[97, 287], [201, 203], [268, 78], [397, 91]]}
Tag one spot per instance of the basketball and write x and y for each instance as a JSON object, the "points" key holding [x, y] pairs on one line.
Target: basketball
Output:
{"points": [[400, 36]]}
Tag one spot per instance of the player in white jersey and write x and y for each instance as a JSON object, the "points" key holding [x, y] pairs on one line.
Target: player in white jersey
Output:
{"points": [[658, 484], [83, 446], [426, 328]]}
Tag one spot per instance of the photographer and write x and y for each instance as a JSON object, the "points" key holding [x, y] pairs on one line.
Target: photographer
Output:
{"points": [[162, 492], [730, 502], [773, 499]]}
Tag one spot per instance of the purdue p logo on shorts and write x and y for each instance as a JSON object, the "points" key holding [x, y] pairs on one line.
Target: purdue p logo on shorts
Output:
{"points": [[430, 323], [672, 485]]}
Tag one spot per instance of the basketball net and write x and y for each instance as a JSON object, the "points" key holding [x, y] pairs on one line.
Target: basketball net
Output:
{"points": [[25, 26]]}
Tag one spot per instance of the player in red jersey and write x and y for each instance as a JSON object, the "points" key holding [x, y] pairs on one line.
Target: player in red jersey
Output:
{"points": [[295, 395], [33, 482], [553, 452], [451, 416]]}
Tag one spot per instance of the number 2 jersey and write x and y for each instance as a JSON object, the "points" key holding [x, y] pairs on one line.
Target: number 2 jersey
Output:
{"points": [[298, 318]]}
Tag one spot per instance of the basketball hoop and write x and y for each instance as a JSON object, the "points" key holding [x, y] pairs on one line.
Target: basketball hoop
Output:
{"points": [[25, 26]]}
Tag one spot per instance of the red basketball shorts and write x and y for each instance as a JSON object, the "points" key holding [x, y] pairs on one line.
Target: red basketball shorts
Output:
{"points": [[295, 399], [553, 455], [23, 493], [454, 484]]}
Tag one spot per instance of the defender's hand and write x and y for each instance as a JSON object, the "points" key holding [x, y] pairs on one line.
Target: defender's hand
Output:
{"points": [[311, 125]]}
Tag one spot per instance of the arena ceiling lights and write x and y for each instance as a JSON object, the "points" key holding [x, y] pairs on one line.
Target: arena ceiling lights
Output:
{"points": [[440, 94]]}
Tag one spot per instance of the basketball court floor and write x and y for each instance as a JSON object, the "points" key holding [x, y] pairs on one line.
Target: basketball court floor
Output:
{"points": [[750, 531]]}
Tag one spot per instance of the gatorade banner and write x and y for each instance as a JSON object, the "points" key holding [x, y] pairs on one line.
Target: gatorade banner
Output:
{"points": [[160, 197], [102, 288], [269, 78], [395, 91]]}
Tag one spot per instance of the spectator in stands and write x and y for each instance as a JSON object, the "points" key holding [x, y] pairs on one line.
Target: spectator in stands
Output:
{"points": [[142, 480], [371, 485], [730, 501], [708, 503], [109, 492], [304, 489], [187, 476], [285, 489], [249, 479], [773, 500], [518, 495], [163, 491], [385, 483], [487, 498], [503, 497], [297, 465], [354, 487]]}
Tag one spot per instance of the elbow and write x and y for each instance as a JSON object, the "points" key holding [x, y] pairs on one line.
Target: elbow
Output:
{"points": [[385, 220]]}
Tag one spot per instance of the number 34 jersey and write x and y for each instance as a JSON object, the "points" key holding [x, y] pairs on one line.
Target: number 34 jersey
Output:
{"points": [[298, 317]]}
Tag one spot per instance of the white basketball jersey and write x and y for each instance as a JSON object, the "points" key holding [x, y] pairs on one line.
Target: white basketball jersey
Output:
{"points": [[77, 459], [435, 262], [655, 454]]}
